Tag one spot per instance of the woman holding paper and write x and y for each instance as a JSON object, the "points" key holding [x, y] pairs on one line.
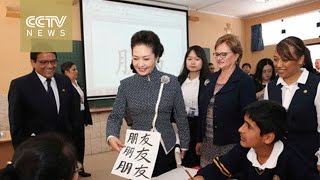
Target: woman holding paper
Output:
{"points": [[150, 96]]}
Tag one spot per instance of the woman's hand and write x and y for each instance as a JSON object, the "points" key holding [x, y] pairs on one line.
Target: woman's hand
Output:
{"points": [[115, 143], [198, 148]]}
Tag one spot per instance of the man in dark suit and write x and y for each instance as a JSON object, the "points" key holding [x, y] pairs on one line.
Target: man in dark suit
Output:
{"points": [[41, 101]]}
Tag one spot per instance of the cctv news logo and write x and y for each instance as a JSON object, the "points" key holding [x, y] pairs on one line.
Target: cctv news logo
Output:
{"points": [[41, 26]]}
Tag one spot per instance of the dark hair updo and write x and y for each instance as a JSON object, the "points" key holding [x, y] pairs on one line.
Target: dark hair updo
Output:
{"points": [[149, 39]]}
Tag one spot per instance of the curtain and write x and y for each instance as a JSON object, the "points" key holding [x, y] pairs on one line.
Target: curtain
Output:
{"points": [[256, 38]]}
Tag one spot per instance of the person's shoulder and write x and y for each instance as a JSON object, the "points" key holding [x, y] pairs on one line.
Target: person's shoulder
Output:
{"points": [[239, 75], [244, 75], [314, 77], [172, 78], [215, 73], [295, 162], [291, 153], [313, 80], [22, 79], [60, 76], [63, 79], [128, 79]]}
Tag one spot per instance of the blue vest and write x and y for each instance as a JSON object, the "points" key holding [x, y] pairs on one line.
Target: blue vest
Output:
{"points": [[302, 115]]}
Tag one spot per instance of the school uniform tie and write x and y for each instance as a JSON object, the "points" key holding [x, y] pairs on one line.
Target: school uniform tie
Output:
{"points": [[50, 92]]}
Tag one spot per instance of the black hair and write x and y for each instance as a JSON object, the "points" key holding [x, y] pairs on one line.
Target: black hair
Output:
{"points": [[202, 55], [269, 116], [149, 39], [246, 64], [66, 66], [47, 156], [259, 69], [132, 68], [298, 49], [34, 55]]}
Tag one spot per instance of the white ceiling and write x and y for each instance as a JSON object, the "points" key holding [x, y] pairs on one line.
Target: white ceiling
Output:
{"points": [[232, 8]]}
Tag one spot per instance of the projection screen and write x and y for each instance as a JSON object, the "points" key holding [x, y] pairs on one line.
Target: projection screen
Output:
{"points": [[107, 27]]}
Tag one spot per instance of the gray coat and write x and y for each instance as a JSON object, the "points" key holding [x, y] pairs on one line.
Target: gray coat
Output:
{"points": [[138, 95]]}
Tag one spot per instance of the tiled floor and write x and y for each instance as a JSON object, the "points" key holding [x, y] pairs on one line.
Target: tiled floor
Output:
{"points": [[100, 166]]}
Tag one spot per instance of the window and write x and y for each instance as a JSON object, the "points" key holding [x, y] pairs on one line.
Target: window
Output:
{"points": [[303, 26]]}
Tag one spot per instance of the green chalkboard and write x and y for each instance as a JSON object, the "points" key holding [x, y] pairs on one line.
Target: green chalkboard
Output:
{"points": [[76, 56], [207, 51]]}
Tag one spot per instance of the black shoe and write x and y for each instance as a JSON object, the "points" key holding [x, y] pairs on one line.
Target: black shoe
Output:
{"points": [[84, 174]]}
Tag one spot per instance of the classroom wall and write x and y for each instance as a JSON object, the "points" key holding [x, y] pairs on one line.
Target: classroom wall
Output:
{"points": [[204, 32], [268, 51], [209, 28], [14, 63]]}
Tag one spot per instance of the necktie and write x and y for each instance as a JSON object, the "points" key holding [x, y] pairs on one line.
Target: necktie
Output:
{"points": [[50, 92]]}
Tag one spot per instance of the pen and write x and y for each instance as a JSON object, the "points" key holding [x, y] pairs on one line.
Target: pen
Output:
{"points": [[187, 172]]}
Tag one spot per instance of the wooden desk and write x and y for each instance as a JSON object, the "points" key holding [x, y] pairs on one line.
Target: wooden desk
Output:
{"points": [[6, 149]]}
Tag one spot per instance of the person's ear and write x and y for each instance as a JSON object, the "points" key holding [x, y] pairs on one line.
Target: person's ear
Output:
{"points": [[33, 63], [268, 138], [237, 57], [66, 72]]}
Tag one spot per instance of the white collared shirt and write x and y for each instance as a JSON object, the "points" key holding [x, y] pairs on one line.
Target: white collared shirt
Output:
{"points": [[288, 92], [271, 161], [54, 88], [81, 94], [190, 91]]}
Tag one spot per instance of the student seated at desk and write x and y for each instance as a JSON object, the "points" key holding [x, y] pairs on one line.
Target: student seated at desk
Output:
{"points": [[261, 154]]}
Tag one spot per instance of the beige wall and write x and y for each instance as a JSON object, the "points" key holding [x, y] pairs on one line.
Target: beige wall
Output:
{"points": [[14, 63], [209, 28], [204, 32]]}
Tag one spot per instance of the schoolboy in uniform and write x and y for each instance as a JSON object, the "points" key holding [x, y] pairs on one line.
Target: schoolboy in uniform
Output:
{"points": [[261, 154]]}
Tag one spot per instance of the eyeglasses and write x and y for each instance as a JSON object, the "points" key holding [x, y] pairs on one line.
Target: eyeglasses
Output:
{"points": [[222, 55], [46, 62]]}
